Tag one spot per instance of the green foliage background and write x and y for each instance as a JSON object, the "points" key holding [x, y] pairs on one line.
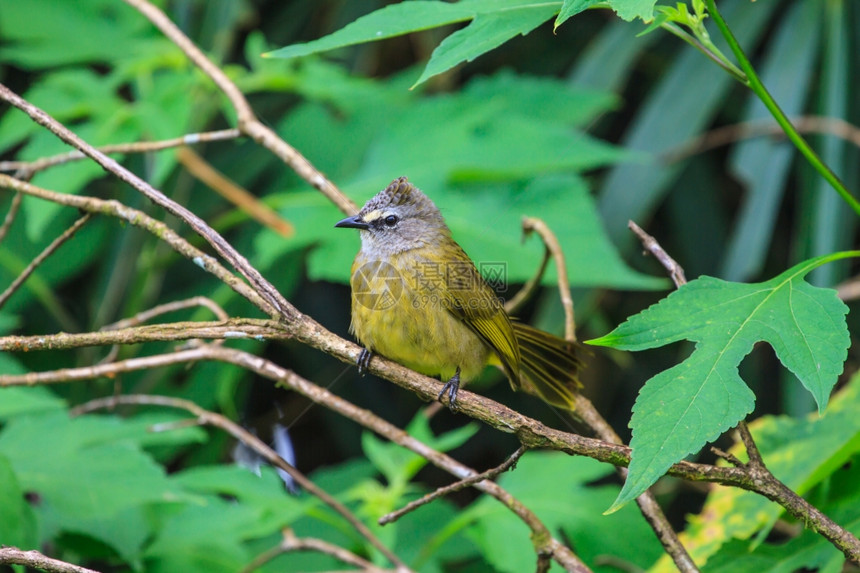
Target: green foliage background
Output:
{"points": [[581, 128]]}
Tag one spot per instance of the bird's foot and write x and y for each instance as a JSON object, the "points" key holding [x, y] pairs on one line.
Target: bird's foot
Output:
{"points": [[451, 388], [363, 361]]}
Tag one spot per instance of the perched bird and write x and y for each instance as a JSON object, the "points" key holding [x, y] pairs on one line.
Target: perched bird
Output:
{"points": [[418, 299]]}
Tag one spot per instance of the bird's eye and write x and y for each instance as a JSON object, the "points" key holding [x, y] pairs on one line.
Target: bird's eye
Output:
{"points": [[391, 220]]}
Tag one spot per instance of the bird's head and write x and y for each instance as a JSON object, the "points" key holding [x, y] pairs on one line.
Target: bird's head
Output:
{"points": [[399, 218]]}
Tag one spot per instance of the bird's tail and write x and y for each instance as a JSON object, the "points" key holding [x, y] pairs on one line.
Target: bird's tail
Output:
{"points": [[548, 366]]}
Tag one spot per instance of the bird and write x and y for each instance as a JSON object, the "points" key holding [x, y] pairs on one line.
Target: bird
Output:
{"points": [[418, 299]]}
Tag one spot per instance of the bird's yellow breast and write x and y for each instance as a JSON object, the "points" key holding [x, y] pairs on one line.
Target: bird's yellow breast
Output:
{"points": [[398, 311]]}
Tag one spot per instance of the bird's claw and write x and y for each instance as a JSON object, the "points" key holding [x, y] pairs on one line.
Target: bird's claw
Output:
{"points": [[451, 387], [363, 361]]}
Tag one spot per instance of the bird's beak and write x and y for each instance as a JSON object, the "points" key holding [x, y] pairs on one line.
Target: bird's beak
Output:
{"points": [[353, 223]]}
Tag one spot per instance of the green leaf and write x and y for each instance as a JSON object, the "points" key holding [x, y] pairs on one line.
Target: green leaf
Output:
{"points": [[15, 401], [94, 25], [801, 453], [398, 464], [388, 22], [631, 9], [264, 493], [486, 32], [85, 467], [17, 521], [571, 8], [493, 22], [682, 408]]}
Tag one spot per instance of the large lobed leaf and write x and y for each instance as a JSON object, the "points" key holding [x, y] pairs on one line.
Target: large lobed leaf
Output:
{"points": [[682, 408], [801, 453]]}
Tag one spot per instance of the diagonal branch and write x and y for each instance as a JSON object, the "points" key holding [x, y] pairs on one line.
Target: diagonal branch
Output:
{"points": [[147, 223], [284, 309], [26, 168], [247, 121], [41, 257]]}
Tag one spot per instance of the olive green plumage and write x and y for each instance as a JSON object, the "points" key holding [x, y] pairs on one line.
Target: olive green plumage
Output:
{"points": [[418, 299]]}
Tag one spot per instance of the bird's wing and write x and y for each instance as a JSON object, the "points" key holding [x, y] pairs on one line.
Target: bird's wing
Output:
{"points": [[467, 296]]}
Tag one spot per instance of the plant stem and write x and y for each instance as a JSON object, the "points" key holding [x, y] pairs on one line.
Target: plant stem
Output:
{"points": [[755, 84], [712, 54]]}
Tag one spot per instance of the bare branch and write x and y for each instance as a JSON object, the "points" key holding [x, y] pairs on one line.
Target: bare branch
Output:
{"points": [[234, 193], [27, 168], [10, 215], [40, 258], [676, 273], [551, 242], [247, 121], [293, 543], [233, 329], [451, 488], [729, 134], [36, 560], [515, 303], [147, 223], [265, 289], [194, 301]]}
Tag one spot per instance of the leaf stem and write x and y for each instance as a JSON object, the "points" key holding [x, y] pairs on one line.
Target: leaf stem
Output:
{"points": [[756, 85], [713, 55]]}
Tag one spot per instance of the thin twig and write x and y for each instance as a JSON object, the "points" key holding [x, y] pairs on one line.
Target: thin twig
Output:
{"points": [[849, 290], [729, 134], [292, 543], [728, 456], [217, 420], [147, 223], [14, 206], [753, 452], [36, 560], [151, 313], [234, 193], [158, 310], [40, 258], [549, 239], [676, 272], [451, 488], [247, 121], [31, 167], [233, 329], [515, 303]]}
